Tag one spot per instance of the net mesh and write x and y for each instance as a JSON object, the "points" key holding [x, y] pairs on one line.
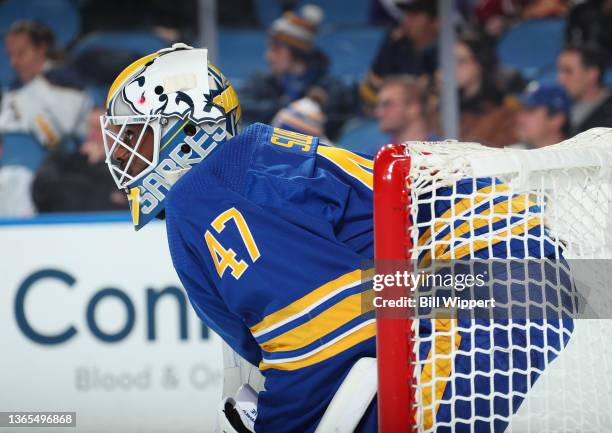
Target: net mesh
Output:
{"points": [[539, 223]]}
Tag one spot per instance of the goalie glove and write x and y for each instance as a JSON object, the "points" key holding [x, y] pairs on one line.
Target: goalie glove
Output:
{"points": [[238, 414]]}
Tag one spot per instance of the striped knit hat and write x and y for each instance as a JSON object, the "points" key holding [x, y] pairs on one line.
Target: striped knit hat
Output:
{"points": [[303, 116], [298, 30]]}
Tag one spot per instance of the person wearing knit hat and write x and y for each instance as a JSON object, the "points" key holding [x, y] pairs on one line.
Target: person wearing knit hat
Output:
{"points": [[297, 69], [298, 30], [303, 116], [291, 54], [296, 65]]}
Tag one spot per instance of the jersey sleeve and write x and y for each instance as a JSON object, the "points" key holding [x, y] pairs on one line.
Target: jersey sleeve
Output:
{"points": [[204, 297], [254, 274]]}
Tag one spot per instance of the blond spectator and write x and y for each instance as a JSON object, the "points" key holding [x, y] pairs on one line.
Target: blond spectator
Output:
{"points": [[401, 110]]}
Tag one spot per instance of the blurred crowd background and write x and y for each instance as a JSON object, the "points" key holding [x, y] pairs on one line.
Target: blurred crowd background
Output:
{"points": [[358, 73]]}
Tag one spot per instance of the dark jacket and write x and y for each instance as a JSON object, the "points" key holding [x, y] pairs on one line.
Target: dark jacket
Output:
{"points": [[68, 183], [397, 56], [600, 116], [60, 76], [588, 24], [264, 94]]}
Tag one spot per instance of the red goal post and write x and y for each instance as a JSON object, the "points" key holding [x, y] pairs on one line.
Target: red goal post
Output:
{"points": [[396, 403]]}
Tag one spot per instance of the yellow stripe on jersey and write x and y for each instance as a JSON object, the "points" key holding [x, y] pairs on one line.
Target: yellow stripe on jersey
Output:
{"points": [[306, 303], [517, 204], [367, 93], [435, 376], [461, 207], [356, 336], [45, 127], [356, 166], [319, 326], [502, 235]]}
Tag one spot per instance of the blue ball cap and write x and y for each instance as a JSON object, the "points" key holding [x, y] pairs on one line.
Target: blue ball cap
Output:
{"points": [[550, 96]]}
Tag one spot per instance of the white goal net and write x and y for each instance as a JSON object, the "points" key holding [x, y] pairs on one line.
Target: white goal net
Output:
{"points": [[538, 225]]}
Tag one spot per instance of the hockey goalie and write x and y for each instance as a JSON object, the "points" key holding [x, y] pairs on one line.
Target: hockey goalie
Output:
{"points": [[268, 231]]}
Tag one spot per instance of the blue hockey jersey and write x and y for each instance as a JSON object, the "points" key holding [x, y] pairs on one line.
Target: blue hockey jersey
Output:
{"points": [[269, 235]]}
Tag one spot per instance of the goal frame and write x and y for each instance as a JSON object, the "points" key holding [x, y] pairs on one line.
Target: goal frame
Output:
{"points": [[391, 210], [562, 179]]}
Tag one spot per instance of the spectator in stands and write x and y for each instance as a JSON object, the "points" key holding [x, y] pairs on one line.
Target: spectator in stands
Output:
{"points": [[78, 182], [581, 72], [589, 23], [410, 48], [297, 69], [401, 110], [44, 100], [304, 116], [31, 48], [484, 116], [543, 117], [28, 45]]}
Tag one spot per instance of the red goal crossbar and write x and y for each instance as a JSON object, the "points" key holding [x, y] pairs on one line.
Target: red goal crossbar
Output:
{"points": [[394, 339]]}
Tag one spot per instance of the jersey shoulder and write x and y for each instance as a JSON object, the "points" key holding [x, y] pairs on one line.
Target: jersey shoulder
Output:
{"points": [[259, 150]]}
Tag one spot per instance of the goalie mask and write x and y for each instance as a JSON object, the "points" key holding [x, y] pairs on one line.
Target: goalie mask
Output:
{"points": [[164, 113]]}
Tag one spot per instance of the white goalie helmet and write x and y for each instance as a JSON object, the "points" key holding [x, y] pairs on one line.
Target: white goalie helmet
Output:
{"points": [[164, 113]]}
